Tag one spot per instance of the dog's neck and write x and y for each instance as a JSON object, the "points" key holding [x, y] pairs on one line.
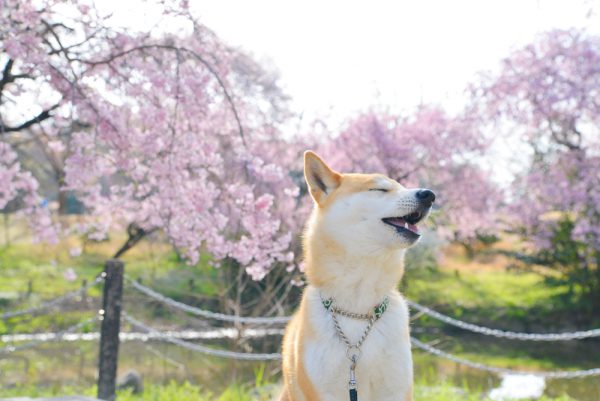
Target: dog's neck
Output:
{"points": [[356, 284]]}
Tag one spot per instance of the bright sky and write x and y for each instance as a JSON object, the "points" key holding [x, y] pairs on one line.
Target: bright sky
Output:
{"points": [[342, 56], [338, 57]]}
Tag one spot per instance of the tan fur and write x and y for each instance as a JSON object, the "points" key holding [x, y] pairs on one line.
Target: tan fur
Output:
{"points": [[297, 385], [328, 187]]}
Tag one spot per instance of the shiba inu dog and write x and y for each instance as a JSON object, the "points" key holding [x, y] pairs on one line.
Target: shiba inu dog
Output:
{"points": [[350, 337]]}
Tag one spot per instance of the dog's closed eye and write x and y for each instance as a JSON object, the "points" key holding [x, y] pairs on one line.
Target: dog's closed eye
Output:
{"points": [[379, 189]]}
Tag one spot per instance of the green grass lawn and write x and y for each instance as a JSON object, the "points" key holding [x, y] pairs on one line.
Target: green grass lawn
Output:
{"points": [[487, 289], [480, 289], [505, 299], [494, 297], [265, 392], [498, 299]]}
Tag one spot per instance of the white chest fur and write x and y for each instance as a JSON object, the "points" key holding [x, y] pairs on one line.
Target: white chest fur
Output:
{"points": [[384, 370]]}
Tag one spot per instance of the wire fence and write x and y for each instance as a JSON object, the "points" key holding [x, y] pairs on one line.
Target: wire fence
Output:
{"points": [[512, 335], [203, 349], [205, 334], [177, 337], [202, 312], [577, 335], [48, 337], [481, 366], [244, 356]]}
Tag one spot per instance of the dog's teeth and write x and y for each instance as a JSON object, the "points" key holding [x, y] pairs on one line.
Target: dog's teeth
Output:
{"points": [[405, 224]]}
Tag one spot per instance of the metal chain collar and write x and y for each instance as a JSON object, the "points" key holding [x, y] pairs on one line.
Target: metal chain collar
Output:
{"points": [[353, 351], [378, 311], [345, 339]]}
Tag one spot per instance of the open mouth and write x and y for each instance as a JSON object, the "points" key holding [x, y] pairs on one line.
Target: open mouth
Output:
{"points": [[406, 224]]}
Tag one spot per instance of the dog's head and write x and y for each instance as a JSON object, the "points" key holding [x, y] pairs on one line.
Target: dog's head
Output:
{"points": [[364, 213]]}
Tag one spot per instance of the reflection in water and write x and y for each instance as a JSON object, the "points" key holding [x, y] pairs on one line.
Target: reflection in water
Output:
{"points": [[516, 387]]}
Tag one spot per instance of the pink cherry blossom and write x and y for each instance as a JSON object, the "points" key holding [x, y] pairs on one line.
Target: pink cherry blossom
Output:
{"points": [[170, 133], [546, 96], [428, 148]]}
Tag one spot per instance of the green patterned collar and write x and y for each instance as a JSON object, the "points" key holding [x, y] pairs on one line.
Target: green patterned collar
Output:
{"points": [[378, 310]]}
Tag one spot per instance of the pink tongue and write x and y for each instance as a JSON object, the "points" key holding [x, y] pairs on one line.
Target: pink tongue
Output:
{"points": [[401, 222]]}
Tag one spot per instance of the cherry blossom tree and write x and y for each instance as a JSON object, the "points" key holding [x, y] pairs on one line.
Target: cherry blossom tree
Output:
{"points": [[15, 180], [155, 130], [427, 148], [177, 132], [548, 95]]}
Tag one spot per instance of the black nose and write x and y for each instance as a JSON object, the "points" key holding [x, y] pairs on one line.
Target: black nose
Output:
{"points": [[426, 196]]}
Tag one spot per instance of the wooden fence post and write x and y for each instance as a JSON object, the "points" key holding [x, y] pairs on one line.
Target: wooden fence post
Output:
{"points": [[109, 334]]}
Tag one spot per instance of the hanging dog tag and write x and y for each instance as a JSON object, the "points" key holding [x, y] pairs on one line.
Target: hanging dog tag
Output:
{"points": [[352, 382]]}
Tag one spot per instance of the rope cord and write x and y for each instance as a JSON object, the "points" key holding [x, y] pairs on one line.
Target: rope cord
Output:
{"points": [[476, 365], [577, 335], [202, 312], [56, 337], [425, 347], [169, 337], [199, 347]]}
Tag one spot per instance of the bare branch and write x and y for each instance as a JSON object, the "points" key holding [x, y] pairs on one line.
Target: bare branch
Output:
{"points": [[8, 76], [44, 115], [6, 71], [75, 45], [135, 233]]}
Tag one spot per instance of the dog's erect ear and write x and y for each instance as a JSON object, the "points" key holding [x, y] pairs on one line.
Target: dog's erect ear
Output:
{"points": [[321, 179]]}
